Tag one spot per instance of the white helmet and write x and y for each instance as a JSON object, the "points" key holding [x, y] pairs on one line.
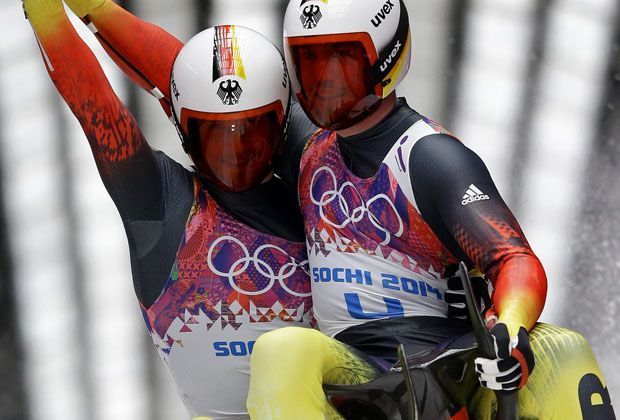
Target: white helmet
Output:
{"points": [[230, 101], [345, 56]]}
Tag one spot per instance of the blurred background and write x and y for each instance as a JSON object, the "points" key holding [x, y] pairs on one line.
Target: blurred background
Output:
{"points": [[533, 86]]}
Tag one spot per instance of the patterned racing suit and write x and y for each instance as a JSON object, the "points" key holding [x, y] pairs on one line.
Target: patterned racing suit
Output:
{"points": [[212, 270], [387, 212]]}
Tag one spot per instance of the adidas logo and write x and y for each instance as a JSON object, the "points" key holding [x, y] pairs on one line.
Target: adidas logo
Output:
{"points": [[474, 194]]}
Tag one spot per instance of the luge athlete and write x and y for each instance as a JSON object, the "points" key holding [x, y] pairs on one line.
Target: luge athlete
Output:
{"points": [[218, 256], [390, 201]]}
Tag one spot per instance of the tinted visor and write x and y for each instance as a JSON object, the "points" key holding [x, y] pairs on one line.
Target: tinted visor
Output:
{"points": [[236, 150], [335, 78]]}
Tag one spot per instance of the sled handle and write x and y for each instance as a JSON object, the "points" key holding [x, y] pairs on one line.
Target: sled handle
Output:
{"points": [[507, 402], [412, 401]]}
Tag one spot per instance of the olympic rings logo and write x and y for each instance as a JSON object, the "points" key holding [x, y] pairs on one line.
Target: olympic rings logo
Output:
{"points": [[352, 215], [263, 268]]}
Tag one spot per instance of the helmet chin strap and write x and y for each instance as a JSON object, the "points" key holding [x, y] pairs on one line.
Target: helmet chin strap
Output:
{"points": [[393, 52]]}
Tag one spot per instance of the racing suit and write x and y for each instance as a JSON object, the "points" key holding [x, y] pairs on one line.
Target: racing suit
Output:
{"points": [[212, 270], [387, 212]]}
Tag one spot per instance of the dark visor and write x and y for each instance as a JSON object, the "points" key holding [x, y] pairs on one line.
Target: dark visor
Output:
{"points": [[236, 150], [335, 78]]}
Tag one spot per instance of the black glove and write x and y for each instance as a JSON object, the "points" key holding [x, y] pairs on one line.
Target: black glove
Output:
{"points": [[455, 297], [513, 364]]}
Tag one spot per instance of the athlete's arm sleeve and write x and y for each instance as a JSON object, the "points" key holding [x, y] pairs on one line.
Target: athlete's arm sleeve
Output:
{"points": [[300, 129], [125, 161], [145, 52], [458, 199]]}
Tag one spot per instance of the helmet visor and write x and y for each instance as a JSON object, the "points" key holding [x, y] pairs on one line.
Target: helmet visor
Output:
{"points": [[236, 150], [334, 73]]}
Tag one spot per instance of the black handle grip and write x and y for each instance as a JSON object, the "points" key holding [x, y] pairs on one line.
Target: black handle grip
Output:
{"points": [[507, 402]]}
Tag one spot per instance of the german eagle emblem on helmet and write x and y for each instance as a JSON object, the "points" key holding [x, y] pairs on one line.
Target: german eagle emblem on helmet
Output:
{"points": [[311, 16], [229, 92]]}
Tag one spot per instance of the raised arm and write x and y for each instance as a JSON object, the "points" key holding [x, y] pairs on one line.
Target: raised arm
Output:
{"points": [[145, 52], [126, 163], [459, 200]]}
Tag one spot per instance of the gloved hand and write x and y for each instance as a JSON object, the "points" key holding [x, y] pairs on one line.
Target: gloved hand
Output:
{"points": [[513, 364], [84, 7]]}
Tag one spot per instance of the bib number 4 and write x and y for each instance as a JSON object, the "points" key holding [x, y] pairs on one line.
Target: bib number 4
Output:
{"points": [[394, 308]]}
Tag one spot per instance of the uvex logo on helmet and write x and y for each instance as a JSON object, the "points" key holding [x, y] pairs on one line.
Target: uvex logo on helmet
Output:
{"points": [[383, 13], [175, 90], [391, 57]]}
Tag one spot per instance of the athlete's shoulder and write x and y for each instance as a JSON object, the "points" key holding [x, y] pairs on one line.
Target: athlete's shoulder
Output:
{"points": [[320, 138], [422, 127], [409, 120], [170, 168], [428, 126], [442, 156], [177, 181], [439, 147], [316, 144], [316, 147], [412, 128], [426, 143], [437, 127], [437, 140]]}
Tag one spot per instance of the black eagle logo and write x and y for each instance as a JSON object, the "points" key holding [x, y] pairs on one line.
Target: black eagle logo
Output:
{"points": [[311, 16], [229, 92]]}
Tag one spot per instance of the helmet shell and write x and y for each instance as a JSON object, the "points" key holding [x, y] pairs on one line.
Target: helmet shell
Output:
{"points": [[380, 19], [230, 94], [227, 69]]}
